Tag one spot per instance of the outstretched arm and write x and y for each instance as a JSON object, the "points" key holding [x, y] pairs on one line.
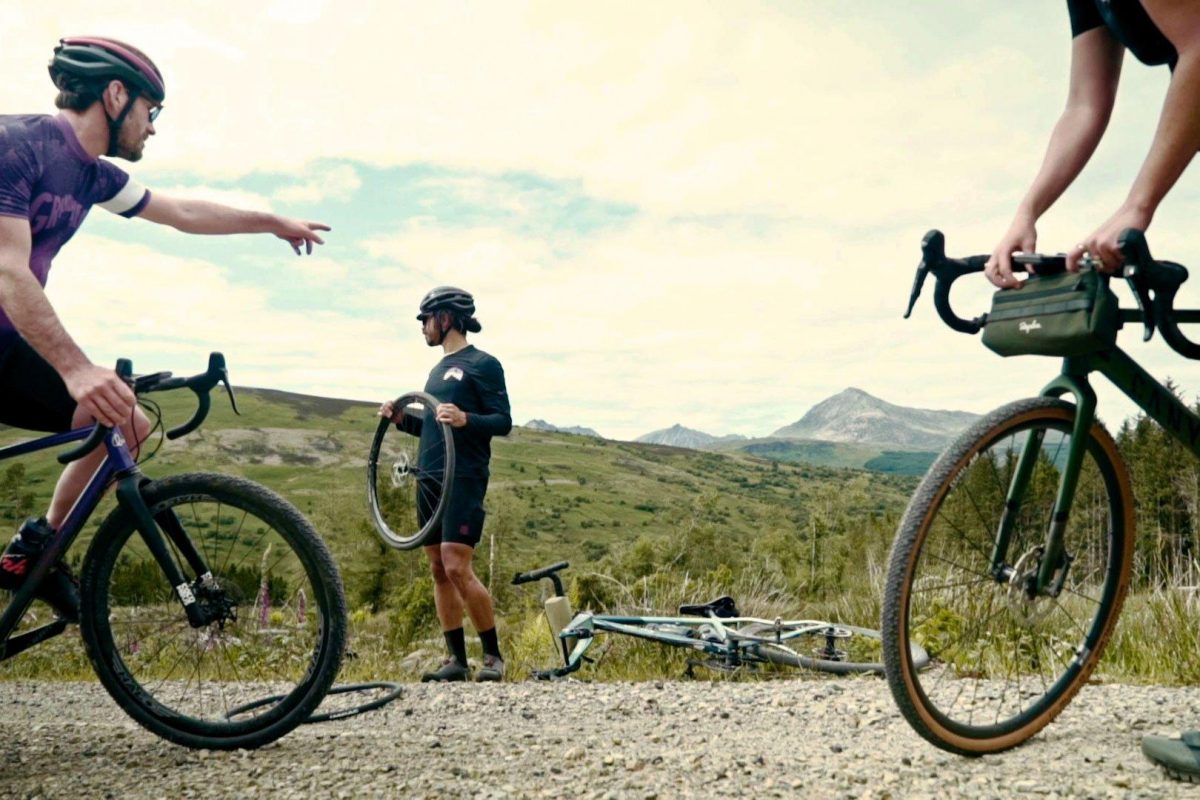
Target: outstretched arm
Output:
{"points": [[98, 391], [1095, 72], [201, 216], [1175, 141]]}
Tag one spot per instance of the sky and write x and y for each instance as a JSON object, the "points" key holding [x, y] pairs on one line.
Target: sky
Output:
{"points": [[704, 213]]}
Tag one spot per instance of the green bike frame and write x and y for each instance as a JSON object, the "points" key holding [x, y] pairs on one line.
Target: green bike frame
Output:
{"points": [[1137, 384]]}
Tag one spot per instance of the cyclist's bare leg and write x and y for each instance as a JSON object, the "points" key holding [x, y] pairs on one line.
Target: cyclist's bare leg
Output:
{"points": [[75, 477], [445, 595], [456, 563]]}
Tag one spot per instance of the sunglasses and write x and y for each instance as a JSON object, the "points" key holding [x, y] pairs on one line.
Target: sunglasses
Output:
{"points": [[154, 112]]}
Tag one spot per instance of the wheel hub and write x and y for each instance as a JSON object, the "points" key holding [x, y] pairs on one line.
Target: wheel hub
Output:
{"points": [[1024, 602]]}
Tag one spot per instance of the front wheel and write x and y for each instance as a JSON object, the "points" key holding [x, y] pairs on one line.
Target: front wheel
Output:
{"points": [[1006, 657], [275, 616]]}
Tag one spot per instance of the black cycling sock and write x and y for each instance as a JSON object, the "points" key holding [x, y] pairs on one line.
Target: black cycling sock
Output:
{"points": [[456, 643], [491, 642]]}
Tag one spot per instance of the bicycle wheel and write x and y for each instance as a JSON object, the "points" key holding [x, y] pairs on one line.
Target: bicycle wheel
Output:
{"points": [[839, 649], [278, 616], [410, 473], [1005, 663]]}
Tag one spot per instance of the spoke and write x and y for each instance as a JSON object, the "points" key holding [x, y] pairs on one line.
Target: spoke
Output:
{"points": [[964, 537], [944, 586]]}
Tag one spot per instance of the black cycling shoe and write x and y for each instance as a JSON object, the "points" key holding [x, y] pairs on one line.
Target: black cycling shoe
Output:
{"points": [[450, 670]]}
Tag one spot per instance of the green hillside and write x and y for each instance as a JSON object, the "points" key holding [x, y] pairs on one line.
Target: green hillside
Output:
{"points": [[552, 495], [845, 455], [621, 512]]}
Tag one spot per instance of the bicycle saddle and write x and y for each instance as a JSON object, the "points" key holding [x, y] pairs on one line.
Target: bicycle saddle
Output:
{"points": [[723, 607]]}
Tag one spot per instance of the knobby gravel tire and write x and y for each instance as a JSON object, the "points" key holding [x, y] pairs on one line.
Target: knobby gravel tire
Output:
{"points": [[285, 637], [962, 702]]}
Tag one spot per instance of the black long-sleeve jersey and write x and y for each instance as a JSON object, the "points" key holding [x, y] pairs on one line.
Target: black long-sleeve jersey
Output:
{"points": [[474, 381]]}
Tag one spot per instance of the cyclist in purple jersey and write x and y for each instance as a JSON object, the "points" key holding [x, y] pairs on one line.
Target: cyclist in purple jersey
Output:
{"points": [[51, 174], [1156, 32]]}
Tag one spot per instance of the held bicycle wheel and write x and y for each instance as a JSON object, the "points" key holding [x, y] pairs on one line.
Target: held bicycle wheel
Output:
{"points": [[275, 616], [410, 473], [1005, 658], [838, 649]]}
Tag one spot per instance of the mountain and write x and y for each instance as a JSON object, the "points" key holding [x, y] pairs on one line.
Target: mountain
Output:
{"points": [[679, 436], [855, 416], [542, 425]]}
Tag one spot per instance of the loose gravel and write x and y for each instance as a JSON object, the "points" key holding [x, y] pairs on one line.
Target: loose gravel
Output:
{"points": [[781, 738]]}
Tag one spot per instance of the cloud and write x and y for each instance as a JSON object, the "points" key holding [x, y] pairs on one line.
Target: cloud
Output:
{"points": [[339, 182]]}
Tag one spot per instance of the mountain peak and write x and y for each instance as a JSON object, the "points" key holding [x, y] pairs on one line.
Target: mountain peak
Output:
{"points": [[853, 415]]}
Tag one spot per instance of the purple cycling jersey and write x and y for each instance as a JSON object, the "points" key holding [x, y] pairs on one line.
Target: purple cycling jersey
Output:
{"points": [[48, 178]]}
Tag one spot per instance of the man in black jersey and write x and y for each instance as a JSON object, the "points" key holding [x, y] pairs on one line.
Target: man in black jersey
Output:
{"points": [[1156, 32], [469, 386]]}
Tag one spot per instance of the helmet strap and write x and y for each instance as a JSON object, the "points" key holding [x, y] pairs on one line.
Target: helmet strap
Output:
{"points": [[114, 125]]}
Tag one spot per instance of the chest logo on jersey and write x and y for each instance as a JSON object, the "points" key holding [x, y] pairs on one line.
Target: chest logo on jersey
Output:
{"points": [[48, 210], [453, 374]]}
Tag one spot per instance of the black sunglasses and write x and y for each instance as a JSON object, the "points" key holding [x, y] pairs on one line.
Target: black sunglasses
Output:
{"points": [[154, 112]]}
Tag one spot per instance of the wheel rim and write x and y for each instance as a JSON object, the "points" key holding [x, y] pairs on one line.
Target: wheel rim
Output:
{"points": [[1005, 663], [268, 628], [409, 477]]}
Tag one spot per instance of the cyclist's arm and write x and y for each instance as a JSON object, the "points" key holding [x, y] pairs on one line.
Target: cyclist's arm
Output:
{"points": [[1178, 136], [495, 415], [204, 217], [97, 390], [1175, 141], [1095, 72]]}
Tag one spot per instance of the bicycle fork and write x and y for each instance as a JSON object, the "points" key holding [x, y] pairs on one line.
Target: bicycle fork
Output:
{"points": [[1047, 573], [129, 495]]}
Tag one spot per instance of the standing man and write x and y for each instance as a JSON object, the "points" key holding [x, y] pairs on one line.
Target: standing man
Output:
{"points": [[469, 386], [51, 174], [1156, 32]]}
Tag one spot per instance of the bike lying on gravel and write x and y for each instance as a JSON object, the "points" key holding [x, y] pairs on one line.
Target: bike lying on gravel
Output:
{"points": [[196, 591], [728, 641], [1013, 558]]}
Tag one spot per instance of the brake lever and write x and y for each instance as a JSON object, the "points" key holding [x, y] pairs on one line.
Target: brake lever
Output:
{"points": [[918, 283], [229, 390], [1137, 257]]}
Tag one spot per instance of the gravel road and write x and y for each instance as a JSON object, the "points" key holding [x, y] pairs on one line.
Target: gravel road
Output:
{"points": [[812, 737]]}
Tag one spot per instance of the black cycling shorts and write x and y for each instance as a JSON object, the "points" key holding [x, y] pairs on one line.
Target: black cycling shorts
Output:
{"points": [[32, 395], [462, 522]]}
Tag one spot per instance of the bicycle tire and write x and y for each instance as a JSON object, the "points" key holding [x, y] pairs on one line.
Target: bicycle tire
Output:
{"points": [[976, 663], [407, 482], [783, 653], [394, 691], [288, 632]]}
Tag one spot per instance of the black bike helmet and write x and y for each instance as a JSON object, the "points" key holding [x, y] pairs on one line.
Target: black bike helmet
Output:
{"points": [[447, 298], [458, 302], [94, 60]]}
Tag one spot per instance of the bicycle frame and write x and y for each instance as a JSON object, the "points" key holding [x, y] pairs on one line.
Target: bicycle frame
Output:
{"points": [[120, 467], [1137, 384], [725, 640]]}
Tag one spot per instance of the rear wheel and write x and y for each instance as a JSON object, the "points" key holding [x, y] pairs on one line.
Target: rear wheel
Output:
{"points": [[839, 649], [1006, 659], [275, 614], [410, 473]]}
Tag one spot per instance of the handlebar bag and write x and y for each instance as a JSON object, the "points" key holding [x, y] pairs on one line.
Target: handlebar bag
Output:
{"points": [[1068, 314]]}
